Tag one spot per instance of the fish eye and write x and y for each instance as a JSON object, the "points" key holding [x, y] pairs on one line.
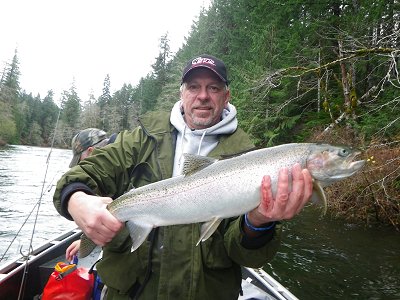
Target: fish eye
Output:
{"points": [[343, 152]]}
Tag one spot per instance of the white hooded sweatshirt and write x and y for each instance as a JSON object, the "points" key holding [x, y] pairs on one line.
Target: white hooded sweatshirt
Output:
{"points": [[199, 141]]}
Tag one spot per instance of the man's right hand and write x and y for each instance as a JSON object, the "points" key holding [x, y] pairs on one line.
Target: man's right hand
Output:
{"points": [[90, 213]]}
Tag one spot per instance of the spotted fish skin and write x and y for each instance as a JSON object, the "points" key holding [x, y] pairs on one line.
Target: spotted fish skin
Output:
{"points": [[210, 190]]}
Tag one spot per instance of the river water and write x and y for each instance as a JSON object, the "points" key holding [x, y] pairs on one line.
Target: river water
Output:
{"points": [[320, 258], [22, 174]]}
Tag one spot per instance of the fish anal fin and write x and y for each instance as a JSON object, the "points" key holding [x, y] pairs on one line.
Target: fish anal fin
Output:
{"points": [[86, 247], [208, 228], [319, 197], [138, 233], [193, 163]]}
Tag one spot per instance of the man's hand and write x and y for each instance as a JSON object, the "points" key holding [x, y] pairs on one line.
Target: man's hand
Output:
{"points": [[91, 215], [287, 203]]}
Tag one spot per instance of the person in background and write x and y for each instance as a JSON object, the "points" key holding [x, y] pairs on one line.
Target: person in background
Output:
{"points": [[83, 144], [169, 265], [85, 141]]}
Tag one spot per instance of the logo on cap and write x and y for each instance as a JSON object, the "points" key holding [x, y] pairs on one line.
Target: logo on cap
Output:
{"points": [[202, 60]]}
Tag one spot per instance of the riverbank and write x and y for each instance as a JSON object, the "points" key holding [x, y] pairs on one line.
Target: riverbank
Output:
{"points": [[373, 196]]}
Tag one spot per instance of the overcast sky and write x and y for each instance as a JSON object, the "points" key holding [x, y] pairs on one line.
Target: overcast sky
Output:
{"points": [[62, 40]]}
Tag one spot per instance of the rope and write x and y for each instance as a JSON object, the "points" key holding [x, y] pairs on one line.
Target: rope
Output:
{"points": [[22, 226], [39, 202]]}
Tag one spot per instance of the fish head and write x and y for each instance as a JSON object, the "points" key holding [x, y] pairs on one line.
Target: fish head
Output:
{"points": [[328, 163]]}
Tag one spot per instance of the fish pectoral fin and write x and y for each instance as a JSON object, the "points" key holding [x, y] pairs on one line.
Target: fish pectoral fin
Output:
{"points": [[208, 228], [138, 233], [86, 247], [319, 197]]}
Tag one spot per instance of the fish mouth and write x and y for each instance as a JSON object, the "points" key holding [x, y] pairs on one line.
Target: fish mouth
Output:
{"points": [[346, 168], [354, 165]]}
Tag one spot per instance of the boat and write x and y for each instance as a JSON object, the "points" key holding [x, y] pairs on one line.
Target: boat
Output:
{"points": [[26, 277]]}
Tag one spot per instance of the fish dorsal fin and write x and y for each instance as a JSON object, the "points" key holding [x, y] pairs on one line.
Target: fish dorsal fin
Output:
{"points": [[193, 163], [318, 196]]}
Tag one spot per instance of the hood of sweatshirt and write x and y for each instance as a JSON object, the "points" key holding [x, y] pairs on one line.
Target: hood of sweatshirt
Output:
{"points": [[199, 141]]}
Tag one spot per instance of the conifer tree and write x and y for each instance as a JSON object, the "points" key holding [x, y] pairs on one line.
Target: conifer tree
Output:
{"points": [[71, 107]]}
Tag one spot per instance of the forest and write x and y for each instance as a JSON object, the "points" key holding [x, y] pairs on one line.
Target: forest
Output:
{"points": [[300, 71]]}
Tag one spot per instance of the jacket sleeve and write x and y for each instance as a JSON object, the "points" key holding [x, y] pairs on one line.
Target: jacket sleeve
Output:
{"points": [[251, 252]]}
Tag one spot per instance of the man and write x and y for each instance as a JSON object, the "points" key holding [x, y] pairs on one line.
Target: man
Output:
{"points": [[169, 265], [85, 141], [83, 144]]}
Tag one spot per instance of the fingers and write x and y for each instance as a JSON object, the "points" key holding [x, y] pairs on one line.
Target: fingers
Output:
{"points": [[282, 193], [292, 194], [308, 182], [72, 250], [68, 255], [92, 216], [102, 227], [267, 199], [296, 196]]}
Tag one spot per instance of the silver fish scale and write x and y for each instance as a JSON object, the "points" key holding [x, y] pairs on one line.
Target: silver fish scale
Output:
{"points": [[233, 184], [226, 188]]}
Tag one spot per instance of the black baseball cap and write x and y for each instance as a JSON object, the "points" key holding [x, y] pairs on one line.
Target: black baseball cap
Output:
{"points": [[206, 61]]}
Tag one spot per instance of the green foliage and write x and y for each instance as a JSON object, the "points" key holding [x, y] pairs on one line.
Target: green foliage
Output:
{"points": [[49, 113], [379, 125], [7, 124], [146, 93], [71, 107], [8, 130], [123, 101], [105, 98], [269, 48], [311, 122], [9, 84], [90, 118], [293, 66], [35, 134]]}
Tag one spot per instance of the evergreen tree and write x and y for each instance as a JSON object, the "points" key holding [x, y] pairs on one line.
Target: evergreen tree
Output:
{"points": [[123, 101], [160, 66], [151, 86], [105, 98], [9, 92], [91, 113], [10, 81], [105, 102], [48, 119], [71, 107]]}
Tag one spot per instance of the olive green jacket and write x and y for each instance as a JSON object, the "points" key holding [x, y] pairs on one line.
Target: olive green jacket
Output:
{"points": [[179, 268]]}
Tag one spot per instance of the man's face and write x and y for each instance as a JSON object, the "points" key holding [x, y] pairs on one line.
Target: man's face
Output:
{"points": [[204, 97]]}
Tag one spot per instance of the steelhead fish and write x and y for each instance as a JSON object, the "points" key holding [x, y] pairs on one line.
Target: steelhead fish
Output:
{"points": [[211, 190]]}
